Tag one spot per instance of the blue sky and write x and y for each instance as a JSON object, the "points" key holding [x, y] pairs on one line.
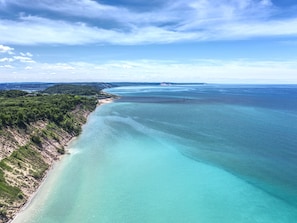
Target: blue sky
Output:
{"points": [[216, 41]]}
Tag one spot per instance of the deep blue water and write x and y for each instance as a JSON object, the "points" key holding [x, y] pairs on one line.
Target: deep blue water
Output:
{"points": [[188, 153], [249, 130]]}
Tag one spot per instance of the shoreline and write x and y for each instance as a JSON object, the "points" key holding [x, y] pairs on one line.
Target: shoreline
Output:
{"points": [[105, 101], [35, 193], [53, 166]]}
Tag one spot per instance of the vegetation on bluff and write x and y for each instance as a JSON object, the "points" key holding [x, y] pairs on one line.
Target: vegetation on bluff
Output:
{"points": [[18, 109]]}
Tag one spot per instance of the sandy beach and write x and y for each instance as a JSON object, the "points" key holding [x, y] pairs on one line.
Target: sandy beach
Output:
{"points": [[105, 101]]}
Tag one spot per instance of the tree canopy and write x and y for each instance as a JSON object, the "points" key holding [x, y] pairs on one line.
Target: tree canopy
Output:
{"points": [[73, 89], [19, 109]]}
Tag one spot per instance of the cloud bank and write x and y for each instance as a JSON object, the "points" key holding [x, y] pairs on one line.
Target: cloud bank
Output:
{"points": [[74, 22], [210, 71]]}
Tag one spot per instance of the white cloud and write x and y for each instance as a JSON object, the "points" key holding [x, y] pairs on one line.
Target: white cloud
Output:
{"points": [[15, 61], [251, 29], [36, 30], [7, 66], [85, 8], [26, 54], [6, 49], [23, 59], [6, 59]]}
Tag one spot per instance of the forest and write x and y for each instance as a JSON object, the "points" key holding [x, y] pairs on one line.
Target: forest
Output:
{"points": [[19, 109], [74, 89]]}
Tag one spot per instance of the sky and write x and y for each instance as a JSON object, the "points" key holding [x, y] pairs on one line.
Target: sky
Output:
{"points": [[213, 41]]}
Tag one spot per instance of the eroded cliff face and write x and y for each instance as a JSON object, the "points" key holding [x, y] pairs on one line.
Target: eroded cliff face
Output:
{"points": [[26, 154]]}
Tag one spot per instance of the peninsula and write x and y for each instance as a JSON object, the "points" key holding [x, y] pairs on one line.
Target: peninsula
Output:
{"points": [[35, 128]]}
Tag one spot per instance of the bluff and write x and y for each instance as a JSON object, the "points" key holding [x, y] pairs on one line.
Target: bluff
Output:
{"points": [[34, 130]]}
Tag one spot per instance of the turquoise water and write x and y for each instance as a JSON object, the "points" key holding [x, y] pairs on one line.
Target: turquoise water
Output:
{"points": [[196, 154]]}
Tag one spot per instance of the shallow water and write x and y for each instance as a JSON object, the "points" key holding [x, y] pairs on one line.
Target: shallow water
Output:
{"points": [[180, 154]]}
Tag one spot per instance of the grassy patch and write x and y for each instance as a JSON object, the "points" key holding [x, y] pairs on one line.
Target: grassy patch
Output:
{"points": [[4, 166], [30, 156], [7, 191]]}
